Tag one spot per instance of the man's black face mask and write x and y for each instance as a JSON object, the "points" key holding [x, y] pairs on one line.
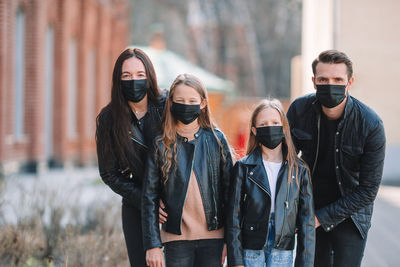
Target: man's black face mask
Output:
{"points": [[331, 95]]}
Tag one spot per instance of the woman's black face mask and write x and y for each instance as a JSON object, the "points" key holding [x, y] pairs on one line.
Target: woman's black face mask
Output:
{"points": [[134, 90]]}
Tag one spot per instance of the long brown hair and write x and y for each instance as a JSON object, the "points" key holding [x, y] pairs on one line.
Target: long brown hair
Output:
{"points": [[253, 144], [115, 133], [169, 136]]}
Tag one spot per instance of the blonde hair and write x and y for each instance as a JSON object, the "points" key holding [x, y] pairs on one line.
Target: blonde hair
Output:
{"points": [[292, 158], [169, 136]]}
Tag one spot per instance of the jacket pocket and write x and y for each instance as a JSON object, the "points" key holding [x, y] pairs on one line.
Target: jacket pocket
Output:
{"points": [[351, 157]]}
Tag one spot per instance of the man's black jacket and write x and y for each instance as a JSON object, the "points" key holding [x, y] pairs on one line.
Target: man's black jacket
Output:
{"points": [[359, 156]]}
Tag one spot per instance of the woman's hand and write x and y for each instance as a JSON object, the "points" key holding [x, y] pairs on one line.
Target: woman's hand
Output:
{"points": [[162, 215], [223, 255], [155, 258]]}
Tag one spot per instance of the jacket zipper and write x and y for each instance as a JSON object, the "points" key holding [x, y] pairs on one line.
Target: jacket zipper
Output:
{"points": [[212, 183], [269, 215], [251, 179], [316, 154], [137, 141], [244, 203], [285, 213]]}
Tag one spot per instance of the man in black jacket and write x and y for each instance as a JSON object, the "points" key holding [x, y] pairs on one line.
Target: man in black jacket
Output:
{"points": [[343, 142]]}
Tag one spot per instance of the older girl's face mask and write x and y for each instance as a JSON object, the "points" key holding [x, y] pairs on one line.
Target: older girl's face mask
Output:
{"points": [[185, 113]]}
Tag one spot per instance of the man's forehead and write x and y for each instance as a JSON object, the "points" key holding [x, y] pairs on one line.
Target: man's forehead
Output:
{"points": [[331, 69]]}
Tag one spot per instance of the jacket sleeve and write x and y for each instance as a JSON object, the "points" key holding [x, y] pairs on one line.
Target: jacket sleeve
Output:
{"points": [[371, 168], [305, 224], [150, 203], [226, 166], [110, 172], [291, 116], [234, 216]]}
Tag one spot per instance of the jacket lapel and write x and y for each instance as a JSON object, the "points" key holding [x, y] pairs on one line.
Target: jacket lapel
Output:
{"points": [[257, 173]]}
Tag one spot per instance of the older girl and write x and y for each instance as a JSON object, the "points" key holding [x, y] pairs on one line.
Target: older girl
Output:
{"points": [[190, 174]]}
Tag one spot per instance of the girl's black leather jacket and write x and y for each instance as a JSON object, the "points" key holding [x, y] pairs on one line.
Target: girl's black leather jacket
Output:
{"points": [[249, 210], [203, 156]]}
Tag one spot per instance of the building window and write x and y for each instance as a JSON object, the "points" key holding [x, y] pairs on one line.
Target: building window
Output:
{"points": [[72, 90], [19, 75], [49, 92], [91, 96]]}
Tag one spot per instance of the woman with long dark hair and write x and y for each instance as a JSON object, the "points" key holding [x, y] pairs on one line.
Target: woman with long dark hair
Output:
{"points": [[125, 130]]}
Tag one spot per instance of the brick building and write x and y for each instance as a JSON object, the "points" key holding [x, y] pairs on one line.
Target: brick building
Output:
{"points": [[56, 59]]}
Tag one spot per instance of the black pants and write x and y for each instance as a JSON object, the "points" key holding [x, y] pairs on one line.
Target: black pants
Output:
{"points": [[342, 247], [132, 226], [194, 253]]}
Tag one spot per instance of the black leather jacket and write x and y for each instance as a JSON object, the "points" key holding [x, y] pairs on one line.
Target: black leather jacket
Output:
{"points": [[127, 180], [249, 210], [203, 156], [359, 155]]}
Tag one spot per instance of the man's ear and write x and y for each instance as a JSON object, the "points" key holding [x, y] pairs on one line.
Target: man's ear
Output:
{"points": [[313, 81]]}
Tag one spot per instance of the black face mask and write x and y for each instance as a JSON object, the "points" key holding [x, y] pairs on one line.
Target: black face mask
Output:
{"points": [[134, 90], [330, 95], [270, 136], [185, 113]]}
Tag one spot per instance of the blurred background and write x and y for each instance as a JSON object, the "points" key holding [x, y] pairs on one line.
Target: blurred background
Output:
{"points": [[56, 61]]}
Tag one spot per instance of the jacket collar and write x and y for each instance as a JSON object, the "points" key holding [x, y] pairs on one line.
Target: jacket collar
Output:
{"points": [[255, 157], [257, 171], [347, 109], [196, 135]]}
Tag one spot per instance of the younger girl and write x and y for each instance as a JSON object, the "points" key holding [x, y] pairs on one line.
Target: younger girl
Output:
{"points": [[190, 174], [270, 198]]}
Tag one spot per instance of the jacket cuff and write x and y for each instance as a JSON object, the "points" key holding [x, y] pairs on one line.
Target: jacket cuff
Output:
{"points": [[326, 221], [152, 244]]}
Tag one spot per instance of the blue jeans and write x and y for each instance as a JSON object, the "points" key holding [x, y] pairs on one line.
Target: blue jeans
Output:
{"points": [[268, 256]]}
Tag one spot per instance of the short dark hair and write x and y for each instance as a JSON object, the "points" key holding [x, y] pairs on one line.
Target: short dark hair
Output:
{"points": [[334, 57]]}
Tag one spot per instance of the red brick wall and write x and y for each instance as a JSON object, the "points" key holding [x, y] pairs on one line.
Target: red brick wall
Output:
{"points": [[99, 25]]}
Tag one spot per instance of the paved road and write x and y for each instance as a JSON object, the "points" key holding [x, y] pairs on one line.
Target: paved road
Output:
{"points": [[383, 246]]}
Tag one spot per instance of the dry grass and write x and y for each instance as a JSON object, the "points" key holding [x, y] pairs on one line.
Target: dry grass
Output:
{"points": [[44, 238]]}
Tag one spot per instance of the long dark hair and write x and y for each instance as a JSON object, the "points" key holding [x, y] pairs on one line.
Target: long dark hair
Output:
{"points": [[114, 121]]}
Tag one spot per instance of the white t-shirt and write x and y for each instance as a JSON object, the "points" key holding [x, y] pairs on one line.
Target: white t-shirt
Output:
{"points": [[272, 169]]}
